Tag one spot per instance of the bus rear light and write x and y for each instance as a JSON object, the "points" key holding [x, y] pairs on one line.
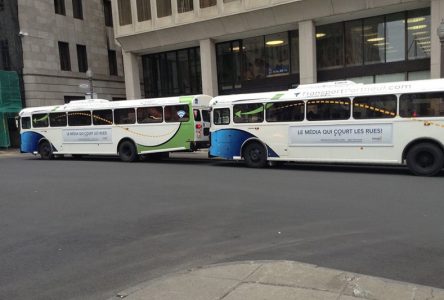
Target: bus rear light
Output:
{"points": [[198, 126]]}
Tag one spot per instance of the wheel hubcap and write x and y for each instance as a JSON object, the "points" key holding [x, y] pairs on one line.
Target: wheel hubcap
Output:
{"points": [[255, 154], [425, 159]]}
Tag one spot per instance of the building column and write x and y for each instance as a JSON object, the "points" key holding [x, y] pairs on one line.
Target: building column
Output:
{"points": [[307, 52], [132, 78], [437, 15], [208, 67]]}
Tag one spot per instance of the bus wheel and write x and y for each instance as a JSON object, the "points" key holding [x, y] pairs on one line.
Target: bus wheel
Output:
{"points": [[255, 155], [127, 151], [425, 159], [45, 150]]}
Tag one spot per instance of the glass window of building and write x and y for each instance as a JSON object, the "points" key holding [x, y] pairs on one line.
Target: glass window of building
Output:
{"points": [[207, 3], [77, 9], [112, 62], [172, 73], [82, 58], [229, 65], [143, 10], [5, 63], [354, 37], [125, 16], [395, 37], [374, 40], [330, 45], [163, 8], [59, 7], [418, 32], [254, 58], [184, 6], [277, 53], [65, 59], [108, 13], [294, 51]]}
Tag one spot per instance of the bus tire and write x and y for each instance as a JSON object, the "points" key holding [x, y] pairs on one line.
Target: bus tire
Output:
{"points": [[255, 155], [45, 150], [425, 159], [128, 151]]}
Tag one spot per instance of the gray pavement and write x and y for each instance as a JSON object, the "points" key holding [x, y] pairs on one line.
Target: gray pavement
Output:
{"points": [[275, 280]]}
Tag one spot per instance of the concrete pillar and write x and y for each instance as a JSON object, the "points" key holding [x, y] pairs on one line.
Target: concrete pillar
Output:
{"points": [[437, 15], [132, 77], [208, 67], [307, 52]]}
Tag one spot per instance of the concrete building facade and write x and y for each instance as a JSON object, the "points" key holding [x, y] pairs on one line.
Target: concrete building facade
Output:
{"points": [[236, 46], [60, 41]]}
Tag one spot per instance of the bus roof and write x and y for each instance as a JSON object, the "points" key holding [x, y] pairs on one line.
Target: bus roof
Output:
{"points": [[195, 100], [336, 90]]}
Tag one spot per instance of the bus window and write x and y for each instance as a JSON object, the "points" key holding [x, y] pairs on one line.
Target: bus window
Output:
{"points": [[205, 115], [197, 117], [248, 113], [325, 110], [149, 115], [79, 118], [57, 119], [103, 117], [177, 113], [26, 123], [285, 111], [40, 120], [374, 107], [221, 116], [421, 105], [124, 116]]}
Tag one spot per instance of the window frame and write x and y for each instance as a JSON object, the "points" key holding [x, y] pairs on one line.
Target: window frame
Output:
{"points": [[43, 116], [65, 56], [247, 122], [28, 122], [170, 120], [79, 112], [155, 121], [287, 103], [228, 115], [329, 100], [102, 124], [58, 113], [390, 116], [77, 9], [59, 7], [82, 58]]}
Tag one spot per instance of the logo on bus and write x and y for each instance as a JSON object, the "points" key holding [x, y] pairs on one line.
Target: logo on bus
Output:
{"points": [[181, 113]]}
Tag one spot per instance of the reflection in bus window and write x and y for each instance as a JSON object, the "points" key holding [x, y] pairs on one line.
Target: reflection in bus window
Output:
{"points": [[57, 119], [331, 109], [40, 120], [177, 113], [285, 111], [422, 105], [374, 107], [149, 115], [124, 116], [248, 113], [221, 116], [26, 123], [103, 117], [79, 118]]}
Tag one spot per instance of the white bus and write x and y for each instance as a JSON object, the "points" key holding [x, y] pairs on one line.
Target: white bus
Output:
{"points": [[126, 128], [340, 122]]}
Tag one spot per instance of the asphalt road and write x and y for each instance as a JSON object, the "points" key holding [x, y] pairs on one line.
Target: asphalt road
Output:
{"points": [[87, 229]]}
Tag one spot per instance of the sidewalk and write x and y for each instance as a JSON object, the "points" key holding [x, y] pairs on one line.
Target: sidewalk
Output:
{"points": [[9, 152], [275, 280]]}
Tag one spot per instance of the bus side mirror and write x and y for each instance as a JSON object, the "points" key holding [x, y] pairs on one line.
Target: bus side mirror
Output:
{"points": [[17, 122]]}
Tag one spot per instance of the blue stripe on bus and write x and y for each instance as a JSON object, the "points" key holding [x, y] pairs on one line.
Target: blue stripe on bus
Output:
{"points": [[30, 141], [227, 143]]}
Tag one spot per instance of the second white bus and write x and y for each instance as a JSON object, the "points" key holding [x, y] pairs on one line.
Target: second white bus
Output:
{"points": [[340, 122]]}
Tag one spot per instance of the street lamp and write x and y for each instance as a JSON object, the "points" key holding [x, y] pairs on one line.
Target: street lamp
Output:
{"points": [[90, 74], [441, 39]]}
